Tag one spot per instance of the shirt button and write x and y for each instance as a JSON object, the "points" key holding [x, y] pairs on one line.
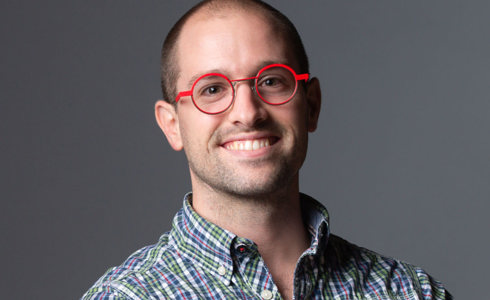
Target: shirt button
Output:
{"points": [[221, 270], [266, 294]]}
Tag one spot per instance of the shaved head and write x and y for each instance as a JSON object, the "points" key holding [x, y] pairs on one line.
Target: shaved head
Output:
{"points": [[221, 9]]}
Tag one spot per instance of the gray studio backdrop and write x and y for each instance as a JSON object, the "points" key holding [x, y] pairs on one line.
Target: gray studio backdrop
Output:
{"points": [[400, 158]]}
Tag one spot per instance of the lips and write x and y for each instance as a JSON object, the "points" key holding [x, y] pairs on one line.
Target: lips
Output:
{"points": [[250, 144]]}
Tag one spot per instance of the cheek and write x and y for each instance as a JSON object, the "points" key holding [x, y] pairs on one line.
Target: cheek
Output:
{"points": [[294, 116], [197, 129]]}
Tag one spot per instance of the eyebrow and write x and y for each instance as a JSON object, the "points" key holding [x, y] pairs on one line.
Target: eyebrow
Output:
{"points": [[263, 64], [195, 77]]}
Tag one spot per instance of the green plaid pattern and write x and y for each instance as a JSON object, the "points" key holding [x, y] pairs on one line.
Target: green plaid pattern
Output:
{"points": [[199, 260]]}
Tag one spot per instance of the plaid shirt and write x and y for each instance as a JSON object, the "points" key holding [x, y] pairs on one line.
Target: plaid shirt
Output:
{"points": [[199, 260]]}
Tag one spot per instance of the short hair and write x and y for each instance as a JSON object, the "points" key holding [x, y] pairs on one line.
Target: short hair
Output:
{"points": [[169, 66]]}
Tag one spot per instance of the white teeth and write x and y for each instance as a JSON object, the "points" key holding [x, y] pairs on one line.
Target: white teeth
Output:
{"points": [[248, 145]]}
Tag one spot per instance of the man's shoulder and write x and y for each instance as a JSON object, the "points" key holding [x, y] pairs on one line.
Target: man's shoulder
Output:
{"points": [[132, 279], [380, 272]]}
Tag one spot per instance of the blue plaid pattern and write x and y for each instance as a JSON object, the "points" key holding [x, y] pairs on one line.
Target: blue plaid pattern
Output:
{"points": [[198, 260]]}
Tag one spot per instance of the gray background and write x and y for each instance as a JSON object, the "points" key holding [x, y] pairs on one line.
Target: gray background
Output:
{"points": [[400, 158]]}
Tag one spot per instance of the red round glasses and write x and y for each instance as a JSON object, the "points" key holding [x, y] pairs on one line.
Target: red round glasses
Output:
{"points": [[214, 93]]}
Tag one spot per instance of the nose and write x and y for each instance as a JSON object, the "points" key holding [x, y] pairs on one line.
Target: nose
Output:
{"points": [[247, 108]]}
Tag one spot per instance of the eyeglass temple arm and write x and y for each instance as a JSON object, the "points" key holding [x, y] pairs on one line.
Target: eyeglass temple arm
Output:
{"points": [[303, 77], [183, 94]]}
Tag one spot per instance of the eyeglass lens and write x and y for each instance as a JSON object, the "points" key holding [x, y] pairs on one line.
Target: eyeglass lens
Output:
{"points": [[214, 93]]}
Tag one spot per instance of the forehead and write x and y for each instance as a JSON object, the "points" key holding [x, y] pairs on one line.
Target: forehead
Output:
{"points": [[234, 42]]}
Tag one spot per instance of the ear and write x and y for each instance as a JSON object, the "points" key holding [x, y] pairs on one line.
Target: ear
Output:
{"points": [[168, 121], [314, 99]]}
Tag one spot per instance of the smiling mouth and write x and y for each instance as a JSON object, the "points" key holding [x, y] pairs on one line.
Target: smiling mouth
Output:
{"points": [[250, 145]]}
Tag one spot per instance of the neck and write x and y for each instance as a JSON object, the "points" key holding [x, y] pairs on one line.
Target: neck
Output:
{"points": [[262, 219], [273, 222]]}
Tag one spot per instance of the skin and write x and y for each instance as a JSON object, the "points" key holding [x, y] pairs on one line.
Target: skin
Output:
{"points": [[254, 193]]}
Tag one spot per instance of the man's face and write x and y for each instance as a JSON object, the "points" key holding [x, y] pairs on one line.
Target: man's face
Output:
{"points": [[253, 148]]}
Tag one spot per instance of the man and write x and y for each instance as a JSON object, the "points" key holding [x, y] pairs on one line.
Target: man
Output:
{"points": [[240, 103]]}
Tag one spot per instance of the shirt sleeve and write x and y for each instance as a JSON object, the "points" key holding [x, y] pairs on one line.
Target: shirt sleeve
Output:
{"points": [[430, 288], [103, 293], [119, 284]]}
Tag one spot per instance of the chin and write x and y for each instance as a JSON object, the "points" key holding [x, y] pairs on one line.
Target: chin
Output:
{"points": [[258, 188]]}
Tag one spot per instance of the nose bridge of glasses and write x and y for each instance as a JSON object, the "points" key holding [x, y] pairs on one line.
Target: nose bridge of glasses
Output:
{"points": [[234, 83]]}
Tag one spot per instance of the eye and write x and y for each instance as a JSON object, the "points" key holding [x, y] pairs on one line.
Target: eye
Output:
{"points": [[211, 87], [212, 90], [271, 81]]}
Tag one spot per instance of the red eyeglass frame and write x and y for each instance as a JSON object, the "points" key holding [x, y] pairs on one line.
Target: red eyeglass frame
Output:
{"points": [[298, 77]]}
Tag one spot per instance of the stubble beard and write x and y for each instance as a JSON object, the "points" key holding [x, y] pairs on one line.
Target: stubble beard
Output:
{"points": [[273, 174], [254, 179], [229, 180]]}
